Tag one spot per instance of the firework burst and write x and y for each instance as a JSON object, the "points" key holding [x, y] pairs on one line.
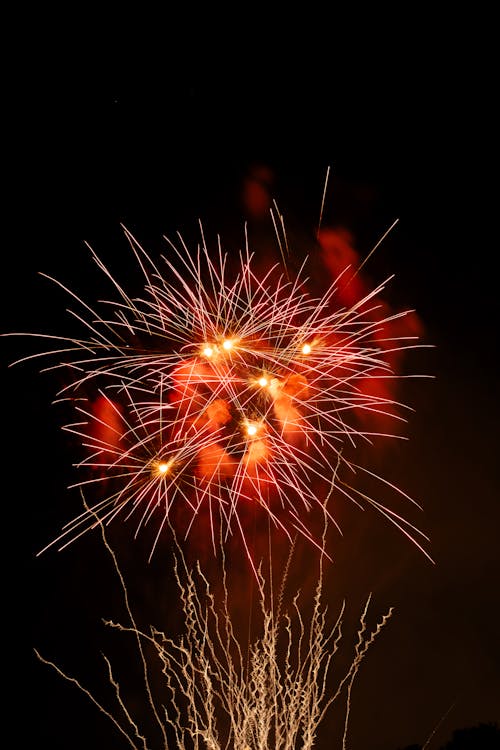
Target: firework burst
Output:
{"points": [[222, 389]]}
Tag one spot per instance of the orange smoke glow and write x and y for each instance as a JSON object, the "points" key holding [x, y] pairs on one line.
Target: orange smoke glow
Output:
{"points": [[342, 260], [188, 377], [217, 414], [106, 428], [214, 461], [256, 192]]}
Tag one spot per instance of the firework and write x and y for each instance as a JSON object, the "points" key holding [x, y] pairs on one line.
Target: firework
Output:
{"points": [[223, 389], [218, 691]]}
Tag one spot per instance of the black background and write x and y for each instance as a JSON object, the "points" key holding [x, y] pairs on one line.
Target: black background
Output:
{"points": [[155, 126]]}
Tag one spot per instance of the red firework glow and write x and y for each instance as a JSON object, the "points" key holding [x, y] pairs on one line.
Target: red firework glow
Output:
{"points": [[221, 390]]}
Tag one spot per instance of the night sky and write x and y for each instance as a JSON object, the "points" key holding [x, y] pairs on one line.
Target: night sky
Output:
{"points": [[158, 135]]}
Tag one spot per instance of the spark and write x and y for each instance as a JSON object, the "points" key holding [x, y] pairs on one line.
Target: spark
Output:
{"points": [[163, 467], [208, 351]]}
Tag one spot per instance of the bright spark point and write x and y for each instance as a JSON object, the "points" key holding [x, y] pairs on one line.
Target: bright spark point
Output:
{"points": [[163, 467], [252, 429], [228, 345], [263, 381], [207, 351], [306, 349]]}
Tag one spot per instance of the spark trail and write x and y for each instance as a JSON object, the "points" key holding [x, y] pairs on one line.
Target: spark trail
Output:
{"points": [[222, 389]]}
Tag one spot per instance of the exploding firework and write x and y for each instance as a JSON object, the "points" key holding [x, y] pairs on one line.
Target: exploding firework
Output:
{"points": [[223, 389]]}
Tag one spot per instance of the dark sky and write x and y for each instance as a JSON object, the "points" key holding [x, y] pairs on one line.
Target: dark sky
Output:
{"points": [[156, 134]]}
